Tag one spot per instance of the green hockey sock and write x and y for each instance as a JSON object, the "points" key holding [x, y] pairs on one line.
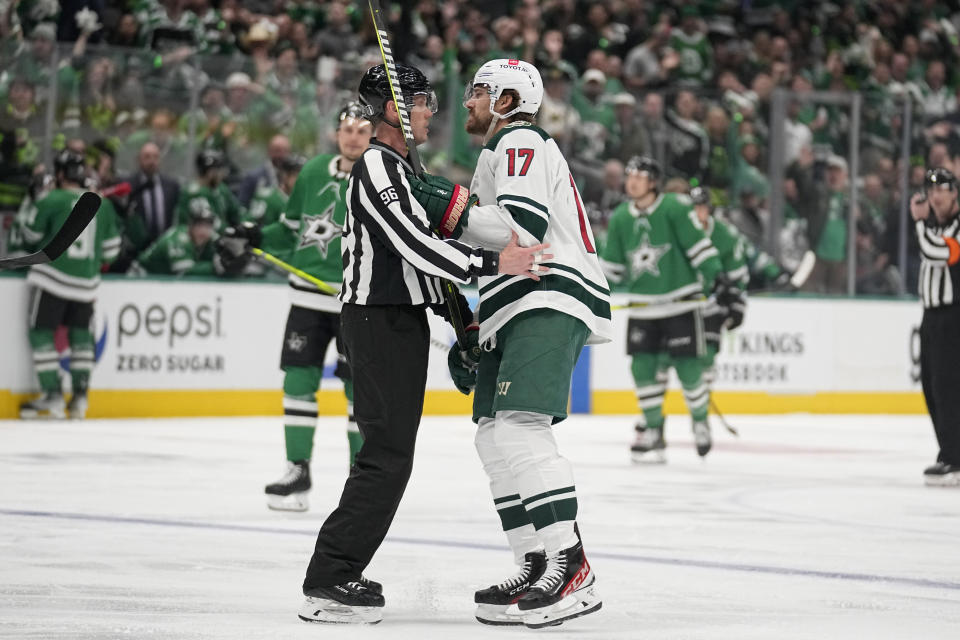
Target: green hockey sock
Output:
{"points": [[46, 360], [651, 385], [695, 391], [81, 358], [300, 410]]}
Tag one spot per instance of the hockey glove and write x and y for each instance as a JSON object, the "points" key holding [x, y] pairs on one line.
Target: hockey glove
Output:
{"points": [[724, 291], [233, 248], [463, 363], [447, 204], [735, 312]]}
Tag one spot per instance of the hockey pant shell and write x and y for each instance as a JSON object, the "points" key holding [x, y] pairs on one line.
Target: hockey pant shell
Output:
{"points": [[650, 377], [531, 483], [387, 347], [300, 412], [529, 365], [940, 377]]}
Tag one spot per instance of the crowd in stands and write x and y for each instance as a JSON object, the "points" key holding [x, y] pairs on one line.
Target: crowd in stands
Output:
{"points": [[144, 86]]}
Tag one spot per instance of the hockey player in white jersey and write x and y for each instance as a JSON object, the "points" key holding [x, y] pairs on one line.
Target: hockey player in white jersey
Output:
{"points": [[532, 333]]}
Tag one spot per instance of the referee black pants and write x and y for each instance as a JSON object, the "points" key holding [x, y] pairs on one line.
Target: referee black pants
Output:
{"points": [[387, 348], [940, 376]]}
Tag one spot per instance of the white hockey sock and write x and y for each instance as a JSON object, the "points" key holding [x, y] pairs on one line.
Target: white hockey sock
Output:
{"points": [[521, 535], [543, 477]]}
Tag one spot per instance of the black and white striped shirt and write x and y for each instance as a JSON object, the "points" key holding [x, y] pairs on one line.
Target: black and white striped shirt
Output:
{"points": [[389, 255], [940, 267]]}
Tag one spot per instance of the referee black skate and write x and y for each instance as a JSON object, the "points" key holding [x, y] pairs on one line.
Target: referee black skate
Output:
{"points": [[391, 275], [937, 217]]}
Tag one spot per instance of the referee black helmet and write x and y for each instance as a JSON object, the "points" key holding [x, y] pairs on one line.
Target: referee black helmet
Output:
{"points": [[375, 89], [939, 178]]}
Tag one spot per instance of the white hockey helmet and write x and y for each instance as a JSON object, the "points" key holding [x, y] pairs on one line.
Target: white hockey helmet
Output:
{"points": [[522, 77]]}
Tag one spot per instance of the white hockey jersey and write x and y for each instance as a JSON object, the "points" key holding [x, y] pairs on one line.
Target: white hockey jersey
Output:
{"points": [[524, 185]]}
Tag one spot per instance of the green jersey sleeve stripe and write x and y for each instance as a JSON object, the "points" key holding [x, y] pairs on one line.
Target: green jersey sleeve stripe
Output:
{"points": [[530, 221], [522, 200], [739, 273], [698, 247], [703, 255]]}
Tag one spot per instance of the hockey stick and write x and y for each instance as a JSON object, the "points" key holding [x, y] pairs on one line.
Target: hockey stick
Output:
{"points": [[80, 216], [317, 282], [723, 421], [403, 113], [641, 305], [804, 269]]}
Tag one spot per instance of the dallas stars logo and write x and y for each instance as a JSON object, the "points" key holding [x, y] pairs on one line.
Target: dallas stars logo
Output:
{"points": [[296, 342], [646, 257], [321, 231]]}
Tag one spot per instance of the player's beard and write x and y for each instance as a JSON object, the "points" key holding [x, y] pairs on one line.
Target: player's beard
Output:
{"points": [[478, 122]]}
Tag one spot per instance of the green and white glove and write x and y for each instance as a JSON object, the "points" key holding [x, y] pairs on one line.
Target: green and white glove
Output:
{"points": [[463, 362], [447, 204]]}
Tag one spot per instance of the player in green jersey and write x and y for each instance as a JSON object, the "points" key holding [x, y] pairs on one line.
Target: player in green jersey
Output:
{"points": [[309, 232], [209, 192], [731, 247], [268, 203], [184, 249], [64, 290], [658, 250]]}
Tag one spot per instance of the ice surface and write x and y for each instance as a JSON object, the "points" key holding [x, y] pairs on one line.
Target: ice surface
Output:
{"points": [[804, 527]]}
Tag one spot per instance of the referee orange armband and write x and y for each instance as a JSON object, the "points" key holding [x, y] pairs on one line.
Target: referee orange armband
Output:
{"points": [[954, 247]]}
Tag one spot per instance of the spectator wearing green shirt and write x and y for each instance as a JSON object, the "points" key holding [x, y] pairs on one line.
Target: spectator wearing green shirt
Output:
{"points": [[694, 50], [829, 275], [598, 121]]}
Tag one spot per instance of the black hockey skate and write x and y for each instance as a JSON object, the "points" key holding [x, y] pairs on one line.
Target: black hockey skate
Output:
{"points": [[565, 591], [348, 603], [649, 446], [495, 604], [289, 493], [77, 407], [702, 438], [48, 406], [942, 475]]}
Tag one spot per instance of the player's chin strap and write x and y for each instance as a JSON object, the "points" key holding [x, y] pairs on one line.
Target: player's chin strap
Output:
{"points": [[496, 117]]}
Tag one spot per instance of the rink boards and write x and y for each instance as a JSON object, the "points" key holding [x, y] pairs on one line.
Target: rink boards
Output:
{"points": [[180, 348]]}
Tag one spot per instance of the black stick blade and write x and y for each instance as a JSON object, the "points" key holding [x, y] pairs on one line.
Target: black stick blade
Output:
{"points": [[83, 212]]}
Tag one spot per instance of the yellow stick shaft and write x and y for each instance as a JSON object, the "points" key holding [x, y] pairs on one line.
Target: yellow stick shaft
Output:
{"points": [[320, 284]]}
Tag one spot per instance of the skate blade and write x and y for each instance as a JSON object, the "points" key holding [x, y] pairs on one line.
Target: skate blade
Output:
{"points": [[654, 456], [294, 502], [499, 615], [947, 480], [53, 414], [324, 610], [577, 604]]}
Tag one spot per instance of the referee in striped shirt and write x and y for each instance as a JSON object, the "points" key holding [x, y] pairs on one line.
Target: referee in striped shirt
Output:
{"points": [[392, 267], [935, 213]]}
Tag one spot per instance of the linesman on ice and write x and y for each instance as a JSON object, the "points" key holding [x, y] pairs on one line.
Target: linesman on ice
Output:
{"points": [[936, 213]]}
